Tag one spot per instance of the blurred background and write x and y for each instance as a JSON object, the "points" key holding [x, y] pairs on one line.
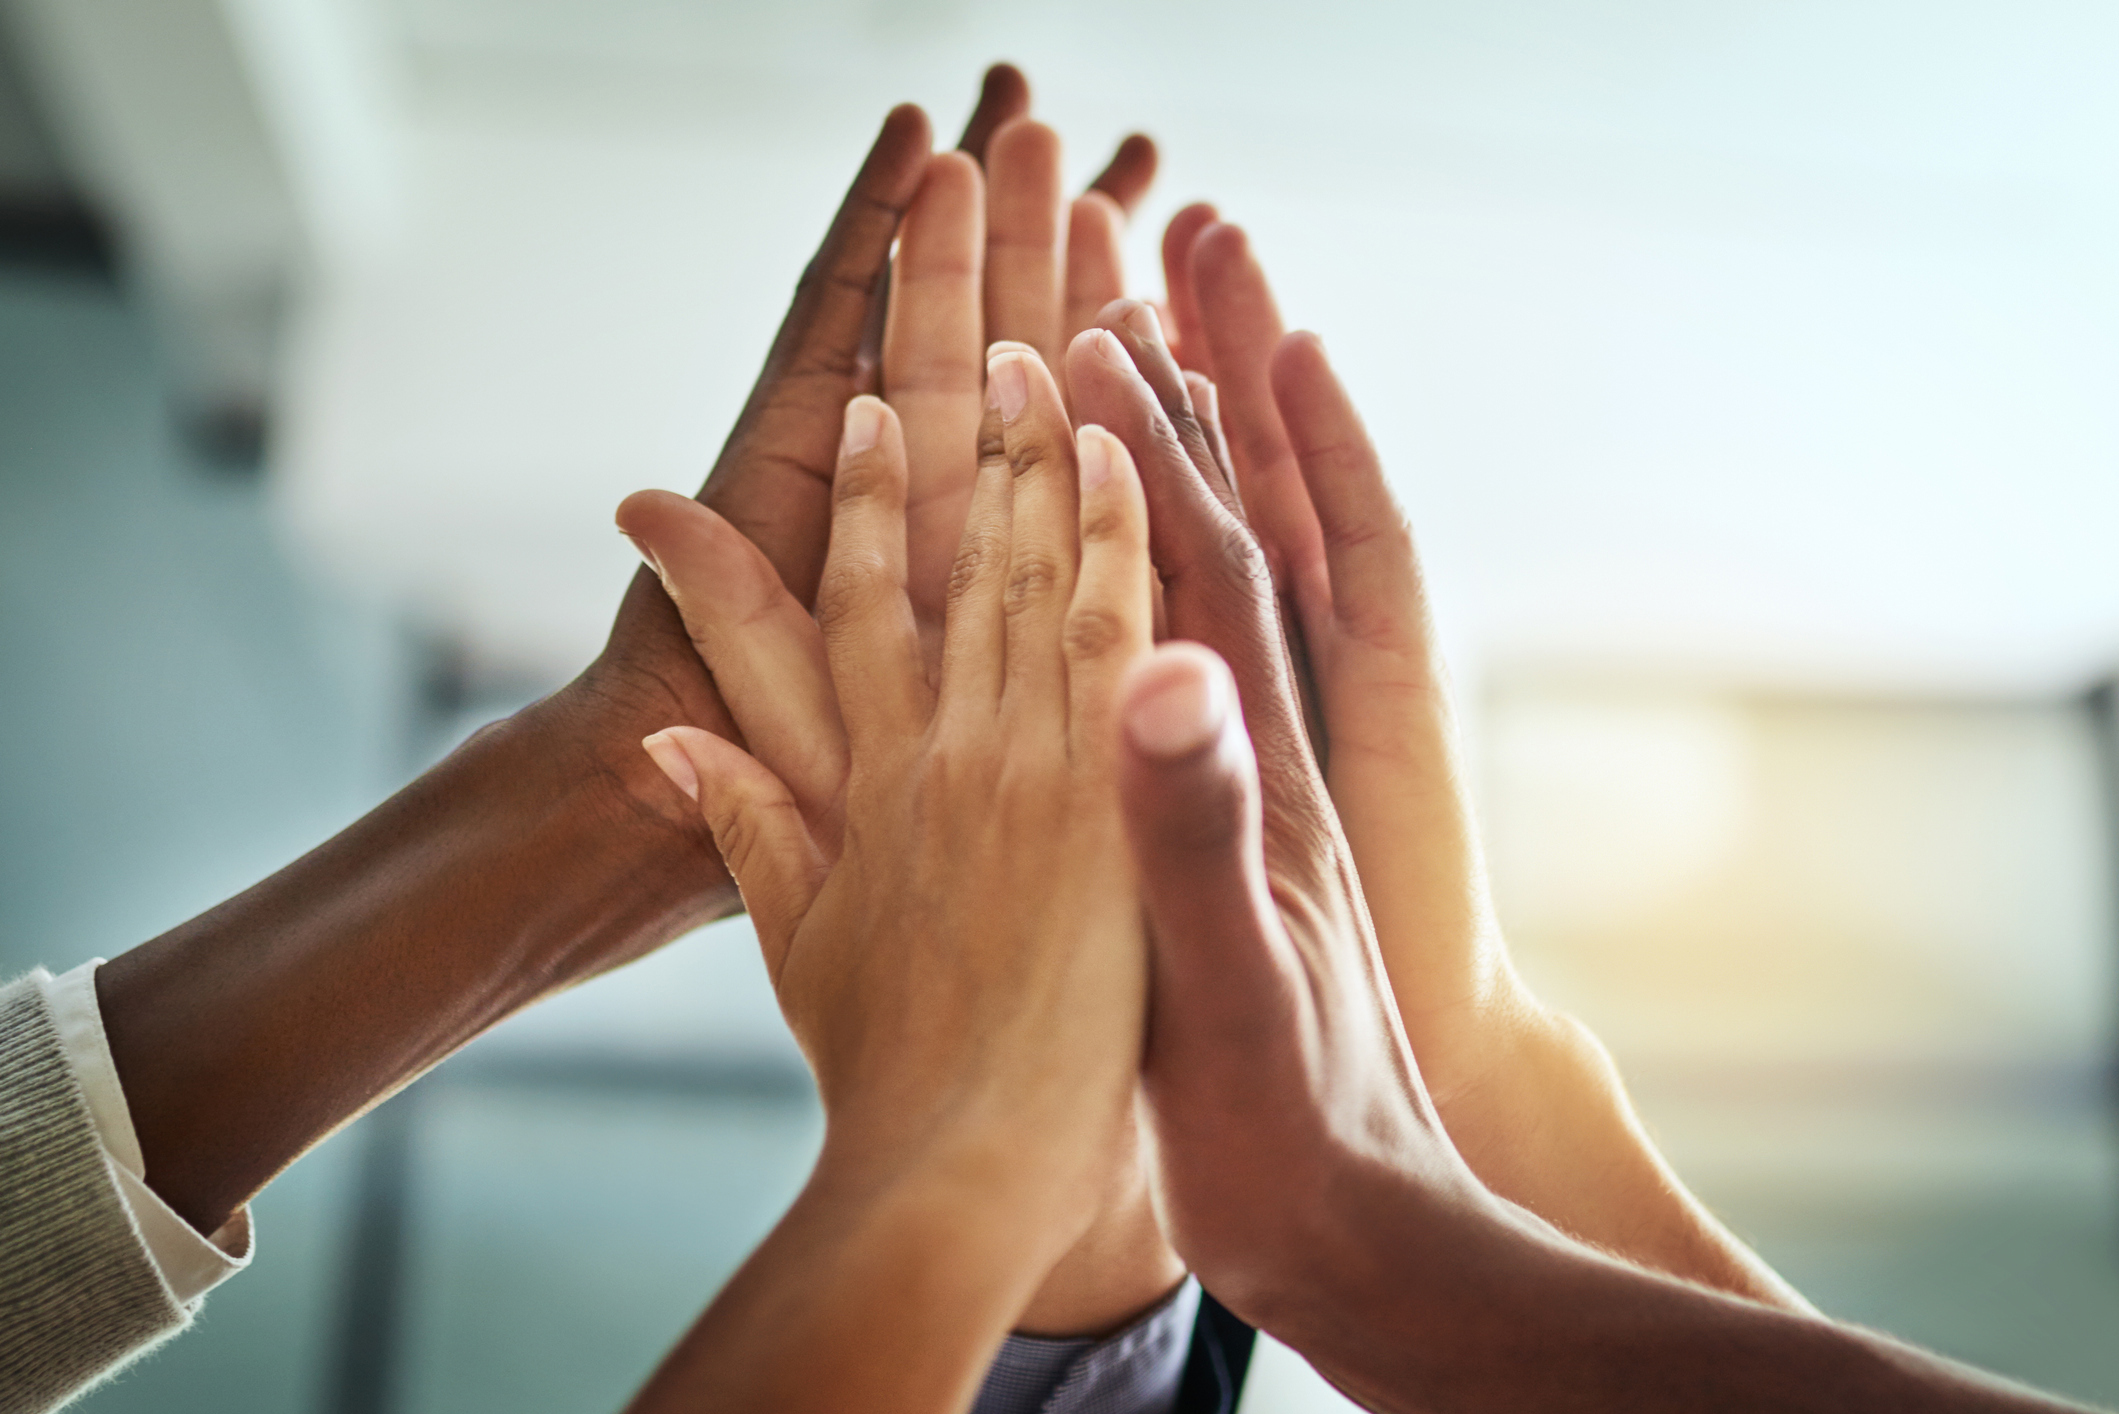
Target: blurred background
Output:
{"points": [[1747, 369]]}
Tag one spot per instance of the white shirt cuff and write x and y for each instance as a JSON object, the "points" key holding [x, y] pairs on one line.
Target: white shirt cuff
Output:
{"points": [[191, 1264]]}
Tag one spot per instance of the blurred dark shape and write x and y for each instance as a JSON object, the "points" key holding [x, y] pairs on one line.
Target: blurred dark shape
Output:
{"points": [[56, 234], [227, 439]]}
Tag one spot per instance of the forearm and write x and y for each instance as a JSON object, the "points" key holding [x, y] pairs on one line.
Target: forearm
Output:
{"points": [[1554, 1131], [889, 1295], [526, 861], [1522, 1320]]}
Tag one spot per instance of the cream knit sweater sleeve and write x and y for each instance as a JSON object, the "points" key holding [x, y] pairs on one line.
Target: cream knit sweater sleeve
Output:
{"points": [[79, 1293]]}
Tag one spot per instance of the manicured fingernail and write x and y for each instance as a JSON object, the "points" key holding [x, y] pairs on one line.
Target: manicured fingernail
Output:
{"points": [[645, 553], [1111, 350], [1008, 384], [864, 423], [1180, 713], [1092, 448], [662, 748], [1143, 322]]}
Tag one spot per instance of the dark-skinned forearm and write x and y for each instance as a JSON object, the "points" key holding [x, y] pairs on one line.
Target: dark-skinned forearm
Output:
{"points": [[544, 850], [1498, 1315]]}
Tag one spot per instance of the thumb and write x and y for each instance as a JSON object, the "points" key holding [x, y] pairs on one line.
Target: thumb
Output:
{"points": [[757, 826], [1220, 989]]}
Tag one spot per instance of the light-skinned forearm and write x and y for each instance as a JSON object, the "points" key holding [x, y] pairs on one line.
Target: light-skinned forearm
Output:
{"points": [[1574, 1152], [880, 1293]]}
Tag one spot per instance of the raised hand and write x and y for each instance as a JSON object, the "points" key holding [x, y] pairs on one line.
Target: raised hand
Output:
{"points": [[991, 252], [1528, 1095], [962, 960], [1309, 1179]]}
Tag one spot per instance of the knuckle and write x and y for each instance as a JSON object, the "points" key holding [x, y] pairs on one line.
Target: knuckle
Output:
{"points": [[1030, 583], [968, 567], [1243, 559], [1092, 633], [993, 442], [1029, 458], [851, 586], [1103, 524]]}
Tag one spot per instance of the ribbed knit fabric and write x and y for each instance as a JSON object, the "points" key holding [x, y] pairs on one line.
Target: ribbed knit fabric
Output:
{"points": [[79, 1294]]}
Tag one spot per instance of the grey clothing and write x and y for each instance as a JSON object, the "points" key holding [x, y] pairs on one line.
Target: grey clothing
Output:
{"points": [[79, 1294]]}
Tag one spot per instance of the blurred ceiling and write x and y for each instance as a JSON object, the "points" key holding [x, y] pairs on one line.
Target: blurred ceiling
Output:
{"points": [[1761, 342]]}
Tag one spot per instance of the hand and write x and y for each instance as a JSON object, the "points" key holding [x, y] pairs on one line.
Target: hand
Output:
{"points": [[1311, 1182], [962, 961], [773, 475], [992, 257], [543, 851], [982, 260], [1528, 1094]]}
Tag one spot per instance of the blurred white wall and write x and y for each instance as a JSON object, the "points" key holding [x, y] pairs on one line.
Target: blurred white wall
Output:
{"points": [[1725, 883], [1770, 341]]}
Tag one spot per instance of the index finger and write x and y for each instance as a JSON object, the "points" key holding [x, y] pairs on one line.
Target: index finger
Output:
{"points": [[1243, 329], [772, 480]]}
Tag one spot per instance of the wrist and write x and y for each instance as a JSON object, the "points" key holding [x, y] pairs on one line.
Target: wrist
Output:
{"points": [[894, 1280], [1120, 1267], [1417, 1292], [515, 867]]}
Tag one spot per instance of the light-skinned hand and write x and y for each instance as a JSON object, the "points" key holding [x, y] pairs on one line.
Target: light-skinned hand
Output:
{"points": [[940, 882]]}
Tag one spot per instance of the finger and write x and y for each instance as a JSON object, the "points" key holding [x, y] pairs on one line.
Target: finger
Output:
{"points": [[1367, 582], [1128, 175], [757, 827], [1110, 621], [933, 369], [974, 627], [1178, 236], [1220, 965], [1044, 537], [1005, 94], [1214, 581], [1206, 406], [1095, 267], [762, 647], [773, 476], [862, 609], [1243, 329], [1139, 330], [1025, 230]]}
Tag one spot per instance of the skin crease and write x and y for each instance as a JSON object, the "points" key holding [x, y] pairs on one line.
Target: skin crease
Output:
{"points": [[547, 849], [1527, 1095], [947, 919]]}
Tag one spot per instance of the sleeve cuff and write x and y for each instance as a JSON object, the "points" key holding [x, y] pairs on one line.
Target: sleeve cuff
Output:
{"points": [[1135, 1371], [192, 1265]]}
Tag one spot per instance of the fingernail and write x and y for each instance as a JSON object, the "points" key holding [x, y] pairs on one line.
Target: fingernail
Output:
{"points": [[663, 750], [864, 423], [1111, 350], [1143, 322], [645, 553], [1181, 713], [1008, 384], [1092, 449]]}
